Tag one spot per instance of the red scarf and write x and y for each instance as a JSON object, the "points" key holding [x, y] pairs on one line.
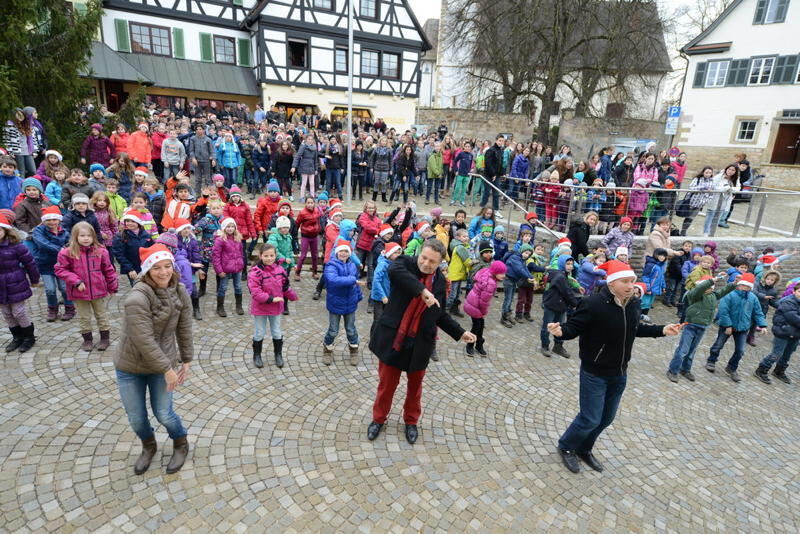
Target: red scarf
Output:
{"points": [[409, 325]]}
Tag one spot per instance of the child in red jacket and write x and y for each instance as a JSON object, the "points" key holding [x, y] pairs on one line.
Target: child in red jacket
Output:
{"points": [[239, 211], [309, 224]]}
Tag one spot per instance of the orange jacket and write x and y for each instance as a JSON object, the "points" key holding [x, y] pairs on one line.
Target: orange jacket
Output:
{"points": [[140, 147]]}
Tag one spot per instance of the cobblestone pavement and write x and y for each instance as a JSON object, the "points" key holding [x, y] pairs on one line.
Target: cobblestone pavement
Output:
{"points": [[285, 450]]}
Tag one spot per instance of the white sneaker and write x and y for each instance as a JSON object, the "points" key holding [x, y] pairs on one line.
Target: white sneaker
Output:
{"points": [[499, 215], [645, 319]]}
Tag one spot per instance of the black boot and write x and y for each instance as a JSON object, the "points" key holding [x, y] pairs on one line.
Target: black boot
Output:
{"points": [[455, 311], [479, 348], [518, 317], [16, 340], [149, 449], [239, 310], [180, 450], [221, 307], [506, 321], [558, 348], [374, 196], [28, 339], [383, 198], [277, 345], [196, 309], [761, 373], [202, 287], [528, 317], [470, 349], [780, 374], [257, 353], [285, 307], [244, 271]]}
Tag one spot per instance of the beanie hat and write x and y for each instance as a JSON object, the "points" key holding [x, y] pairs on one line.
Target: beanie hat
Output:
{"points": [[531, 215], [625, 220], [497, 267], [322, 196], [282, 222], [285, 202], [235, 190], [168, 239], [485, 246], [181, 224], [8, 214], [226, 221], [272, 186], [436, 213], [141, 171], [32, 182], [525, 247], [695, 251], [78, 198], [747, 279], [769, 260], [422, 226], [218, 178], [616, 270], [500, 228], [751, 250], [132, 215], [386, 229], [5, 223], [621, 251], [97, 126], [391, 248], [334, 212], [579, 176], [342, 244], [486, 228], [152, 255], [51, 213], [96, 167], [55, 153], [642, 287]]}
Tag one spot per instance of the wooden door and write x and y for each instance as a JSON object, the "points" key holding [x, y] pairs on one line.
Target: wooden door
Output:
{"points": [[787, 145]]}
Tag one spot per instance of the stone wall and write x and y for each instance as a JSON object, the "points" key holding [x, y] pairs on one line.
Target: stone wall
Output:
{"points": [[781, 176], [588, 135], [478, 124], [778, 176]]}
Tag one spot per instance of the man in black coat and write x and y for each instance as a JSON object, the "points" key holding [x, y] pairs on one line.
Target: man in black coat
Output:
{"points": [[493, 160], [404, 337], [607, 323]]}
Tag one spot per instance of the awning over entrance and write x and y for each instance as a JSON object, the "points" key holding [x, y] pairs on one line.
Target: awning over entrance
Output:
{"points": [[105, 64]]}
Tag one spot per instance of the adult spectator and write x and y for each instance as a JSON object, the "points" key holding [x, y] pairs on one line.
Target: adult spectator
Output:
{"points": [[97, 148], [441, 131], [19, 140], [493, 161], [579, 233], [659, 238], [202, 154]]}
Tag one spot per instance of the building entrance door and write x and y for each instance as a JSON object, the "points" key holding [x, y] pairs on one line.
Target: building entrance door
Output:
{"points": [[787, 145]]}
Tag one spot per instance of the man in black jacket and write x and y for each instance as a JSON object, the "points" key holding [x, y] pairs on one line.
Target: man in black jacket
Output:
{"points": [[405, 335], [607, 323], [493, 159]]}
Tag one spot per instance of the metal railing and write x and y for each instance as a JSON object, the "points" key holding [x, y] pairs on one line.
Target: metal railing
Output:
{"points": [[768, 210]]}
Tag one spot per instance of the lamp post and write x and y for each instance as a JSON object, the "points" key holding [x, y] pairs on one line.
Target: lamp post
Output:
{"points": [[348, 177]]}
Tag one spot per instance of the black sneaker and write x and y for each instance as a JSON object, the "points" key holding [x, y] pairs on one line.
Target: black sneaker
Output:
{"points": [[470, 349], [373, 430]]}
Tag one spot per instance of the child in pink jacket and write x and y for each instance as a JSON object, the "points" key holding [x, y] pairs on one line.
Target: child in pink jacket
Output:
{"points": [[85, 267], [478, 300], [228, 260], [269, 288]]}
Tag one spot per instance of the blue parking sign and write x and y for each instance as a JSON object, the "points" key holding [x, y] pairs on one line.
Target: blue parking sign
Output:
{"points": [[674, 111]]}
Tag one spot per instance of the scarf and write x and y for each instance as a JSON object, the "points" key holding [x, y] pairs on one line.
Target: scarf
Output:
{"points": [[409, 324]]}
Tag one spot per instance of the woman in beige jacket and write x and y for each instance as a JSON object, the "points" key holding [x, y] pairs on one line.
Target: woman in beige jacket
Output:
{"points": [[659, 238], [154, 353]]}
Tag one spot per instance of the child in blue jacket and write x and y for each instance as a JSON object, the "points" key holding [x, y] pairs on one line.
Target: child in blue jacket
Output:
{"points": [[341, 299], [499, 243], [48, 240], [653, 277], [127, 243], [381, 287]]}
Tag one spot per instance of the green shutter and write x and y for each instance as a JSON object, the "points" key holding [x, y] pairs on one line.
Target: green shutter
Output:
{"points": [[700, 75], [123, 39], [761, 12], [785, 68], [206, 48], [178, 50], [737, 72], [237, 2], [783, 7], [80, 8], [244, 52]]}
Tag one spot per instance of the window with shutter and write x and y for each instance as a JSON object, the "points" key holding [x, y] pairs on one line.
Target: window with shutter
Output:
{"points": [[206, 47], [785, 68], [700, 75], [717, 73], [178, 50], [771, 11], [244, 52], [737, 73], [761, 9], [123, 39]]}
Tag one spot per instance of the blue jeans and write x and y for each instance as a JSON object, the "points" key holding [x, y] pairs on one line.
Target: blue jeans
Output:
{"points": [[222, 284], [739, 339], [487, 189], [782, 349], [230, 176], [455, 292], [509, 290], [599, 399], [262, 179], [691, 335], [550, 316], [52, 285], [432, 183], [674, 291], [333, 179], [132, 392], [171, 170], [422, 177], [712, 218], [251, 179], [260, 322], [349, 327]]}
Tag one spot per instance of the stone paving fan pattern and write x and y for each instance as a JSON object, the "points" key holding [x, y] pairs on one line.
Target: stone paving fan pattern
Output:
{"points": [[286, 450]]}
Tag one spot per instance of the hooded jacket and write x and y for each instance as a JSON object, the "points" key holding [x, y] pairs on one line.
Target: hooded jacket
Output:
{"points": [[763, 291], [227, 255], [126, 247], [589, 276], [244, 220], [740, 310], [283, 246], [369, 226], [18, 271], [701, 306], [342, 293], [93, 268], [786, 322], [476, 305], [346, 227], [266, 282], [559, 296], [653, 273], [713, 253], [381, 286], [46, 246], [98, 150], [73, 217]]}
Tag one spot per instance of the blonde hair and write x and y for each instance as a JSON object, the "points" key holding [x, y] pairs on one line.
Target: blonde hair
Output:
{"points": [[152, 181], [369, 203], [215, 204], [73, 246], [237, 236], [12, 234], [101, 195]]}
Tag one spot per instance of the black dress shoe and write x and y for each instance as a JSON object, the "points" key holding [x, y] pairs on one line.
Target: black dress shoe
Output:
{"points": [[570, 460], [373, 430], [590, 460], [412, 433]]}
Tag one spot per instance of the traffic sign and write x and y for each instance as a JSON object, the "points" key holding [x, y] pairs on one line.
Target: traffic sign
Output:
{"points": [[674, 111], [672, 126], [674, 152]]}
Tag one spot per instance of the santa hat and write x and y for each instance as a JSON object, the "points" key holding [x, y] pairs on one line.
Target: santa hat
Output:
{"points": [[5, 223], [622, 251], [747, 279], [768, 260], [235, 190], [391, 248], [51, 213], [386, 229], [334, 212], [152, 255], [182, 224], [531, 215], [132, 215], [564, 243], [342, 244], [642, 287], [141, 171], [334, 202], [422, 226], [625, 220], [706, 277], [225, 222], [616, 270], [55, 153]]}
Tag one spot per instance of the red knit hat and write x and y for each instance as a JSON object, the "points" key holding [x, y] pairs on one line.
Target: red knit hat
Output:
{"points": [[616, 269], [234, 190], [531, 215], [152, 255], [51, 213], [747, 279], [342, 244], [625, 220], [386, 229], [181, 224], [391, 248], [285, 202]]}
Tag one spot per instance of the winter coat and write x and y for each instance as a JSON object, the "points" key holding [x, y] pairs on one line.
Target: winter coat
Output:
{"points": [[520, 166], [201, 148], [334, 157], [480, 296], [243, 217], [156, 204], [653, 275], [579, 233], [284, 248], [623, 175], [140, 147], [206, 230], [93, 268], [261, 158], [617, 238], [637, 201], [18, 271], [120, 141], [607, 331], [381, 286], [404, 276], [701, 308], [786, 322], [500, 248], [460, 261], [421, 156], [762, 292], [559, 296], [494, 161], [157, 144], [740, 310], [713, 252], [125, 184], [434, 165], [589, 276], [18, 143], [228, 155], [381, 159], [53, 192], [265, 283], [516, 270], [156, 330], [266, 207], [282, 164], [192, 249], [107, 228], [125, 249], [98, 150], [309, 222], [342, 293], [46, 246], [69, 189], [306, 160], [73, 217], [477, 223], [368, 228], [29, 213], [675, 266], [648, 173], [10, 188], [227, 255], [658, 239]]}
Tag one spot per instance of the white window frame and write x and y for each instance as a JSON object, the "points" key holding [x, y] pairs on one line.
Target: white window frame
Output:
{"points": [[757, 67], [720, 74], [771, 11], [398, 63], [362, 11], [740, 130], [364, 54]]}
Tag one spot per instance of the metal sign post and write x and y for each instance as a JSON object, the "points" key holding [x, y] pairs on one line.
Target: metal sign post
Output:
{"points": [[350, 140]]}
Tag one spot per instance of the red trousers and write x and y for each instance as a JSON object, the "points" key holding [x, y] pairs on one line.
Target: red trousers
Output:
{"points": [[388, 378]]}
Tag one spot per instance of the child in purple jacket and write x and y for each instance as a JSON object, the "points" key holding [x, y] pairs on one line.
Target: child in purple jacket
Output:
{"points": [[187, 242]]}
